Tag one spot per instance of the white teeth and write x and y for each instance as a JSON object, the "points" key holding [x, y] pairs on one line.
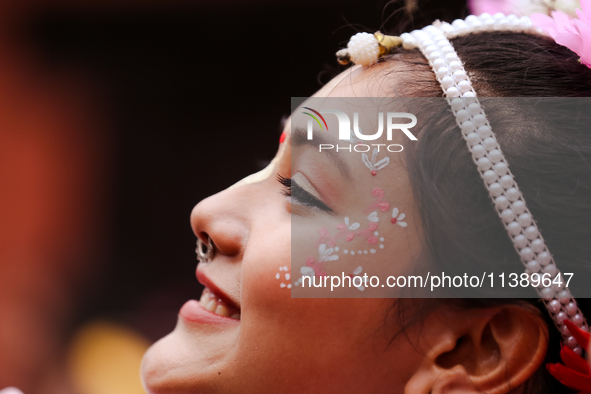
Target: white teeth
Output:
{"points": [[217, 306], [210, 306], [221, 310]]}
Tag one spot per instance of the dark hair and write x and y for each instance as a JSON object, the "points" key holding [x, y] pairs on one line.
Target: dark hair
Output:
{"points": [[549, 155]]}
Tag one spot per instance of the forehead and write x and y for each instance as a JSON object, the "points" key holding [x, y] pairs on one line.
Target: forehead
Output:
{"points": [[360, 81]]}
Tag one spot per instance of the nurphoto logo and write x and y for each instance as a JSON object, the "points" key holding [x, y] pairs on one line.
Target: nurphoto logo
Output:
{"points": [[345, 129]]}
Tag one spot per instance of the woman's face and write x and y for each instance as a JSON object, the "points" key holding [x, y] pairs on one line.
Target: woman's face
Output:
{"points": [[247, 334]]}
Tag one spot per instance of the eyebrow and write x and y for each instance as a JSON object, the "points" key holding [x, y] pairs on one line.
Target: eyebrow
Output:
{"points": [[299, 137]]}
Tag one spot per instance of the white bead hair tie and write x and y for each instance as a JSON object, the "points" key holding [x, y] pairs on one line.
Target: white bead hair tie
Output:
{"points": [[434, 43]]}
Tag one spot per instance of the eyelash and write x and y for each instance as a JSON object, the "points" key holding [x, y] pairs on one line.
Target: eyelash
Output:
{"points": [[303, 197]]}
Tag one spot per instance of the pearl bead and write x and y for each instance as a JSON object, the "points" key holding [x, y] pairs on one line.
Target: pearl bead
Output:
{"points": [[560, 318], [464, 87], [479, 151], [460, 25], [490, 143], [578, 320], [531, 232], [470, 19], [489, 177], [483, 163], [454, 66], [450, 57], [452, 92], [544, 258], [468, 127], [488, 24], [501, 202], [578, 350], [564, 296], [495, 189], [564, 331], [476, 26], [506, 181], [474, 139], [432, 30], [498, 16], [537, 245], [518, 206], [484, 131], [474, 108], [469, 94], [460, 75], [547, 294], [571, 342], [495, 156], [525, 219], [550, 269], [446, 49], [514, 228], [408, 41], [557, 286], [437, 36], [571, 308], [434, 55], [447, 82], [426, 41], [520, 241], [442, 72], [512, 18], [525, 23], [438, 63], [500, 168], [484, 16], [449, 31], [555, 306], [512, 193], [507, 215], [457, 104], [479, 120], [533, 266], [462, 115], [430, 49], [441, 42], [527, 254]]}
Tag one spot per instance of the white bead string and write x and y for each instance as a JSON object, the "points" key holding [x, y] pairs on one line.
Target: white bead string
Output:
{"points": [[433, 42]]}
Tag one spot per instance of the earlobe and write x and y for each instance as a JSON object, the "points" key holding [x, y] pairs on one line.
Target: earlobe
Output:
{"points": [[492, 351]]}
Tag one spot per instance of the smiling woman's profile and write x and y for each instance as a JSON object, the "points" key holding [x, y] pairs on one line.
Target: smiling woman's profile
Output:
{"points": [[311, 214]]}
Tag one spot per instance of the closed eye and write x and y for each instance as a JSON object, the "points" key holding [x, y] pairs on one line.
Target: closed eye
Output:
{"points": [[300, 195]]}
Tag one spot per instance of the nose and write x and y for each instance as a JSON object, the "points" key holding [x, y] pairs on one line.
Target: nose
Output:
{"points": [[224, 217]]}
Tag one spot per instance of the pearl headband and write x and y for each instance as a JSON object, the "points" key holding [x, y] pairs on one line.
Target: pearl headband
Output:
{"points": [[434, 43]]}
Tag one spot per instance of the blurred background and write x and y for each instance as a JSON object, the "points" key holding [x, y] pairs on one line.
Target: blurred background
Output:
{"points": [[104, 105]]}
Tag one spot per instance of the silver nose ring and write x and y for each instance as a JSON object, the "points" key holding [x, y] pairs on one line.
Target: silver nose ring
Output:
{"points": [[204, 252]]}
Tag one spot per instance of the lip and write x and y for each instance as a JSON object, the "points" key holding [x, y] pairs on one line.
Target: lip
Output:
{"points": [[205, 281]]}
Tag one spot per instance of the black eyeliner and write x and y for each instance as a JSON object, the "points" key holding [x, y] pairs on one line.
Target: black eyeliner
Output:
{"points": [[292, 189]]}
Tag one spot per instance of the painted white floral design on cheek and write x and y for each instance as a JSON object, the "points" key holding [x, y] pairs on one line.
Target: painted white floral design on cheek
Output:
{"points": [[398, 218], [373, 217], [374, 166], [283, 274], [327, 254]]}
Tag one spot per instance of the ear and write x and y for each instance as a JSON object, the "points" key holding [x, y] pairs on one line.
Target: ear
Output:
{"points": [[491, 350]]}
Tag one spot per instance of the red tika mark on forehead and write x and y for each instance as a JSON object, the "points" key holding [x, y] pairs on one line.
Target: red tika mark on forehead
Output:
{"points": [[394, 220], [282, 138], [374, 172]]}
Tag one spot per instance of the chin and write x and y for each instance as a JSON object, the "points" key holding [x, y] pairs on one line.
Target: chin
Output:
{"points": [[164, 368]]}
